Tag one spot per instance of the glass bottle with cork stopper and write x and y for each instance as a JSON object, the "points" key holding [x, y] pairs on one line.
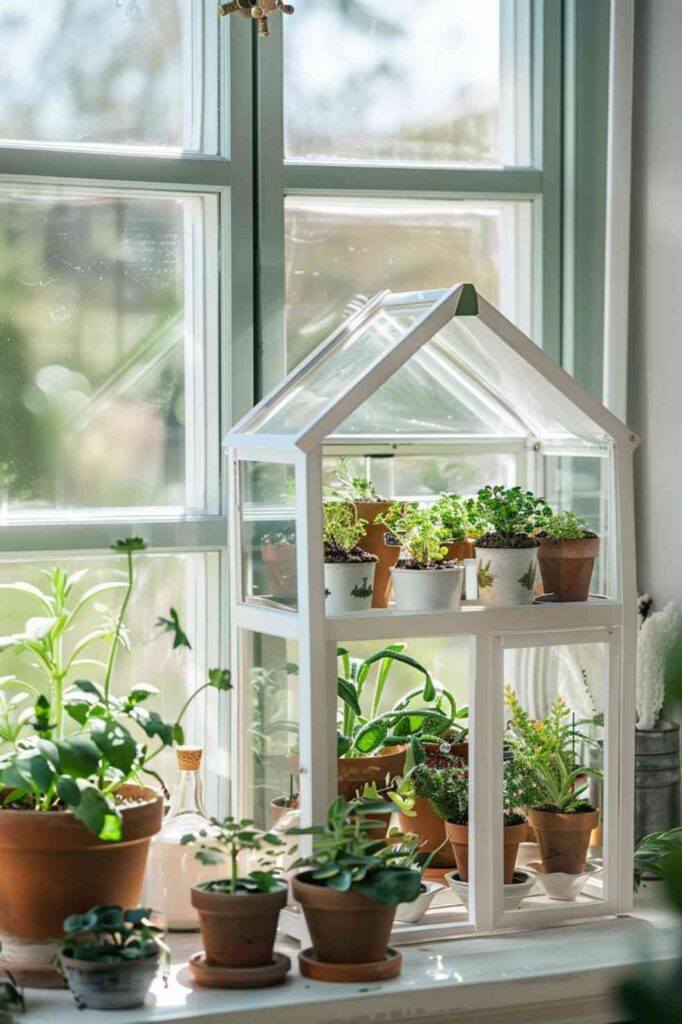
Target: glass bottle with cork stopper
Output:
{"points": [[173, 869]]}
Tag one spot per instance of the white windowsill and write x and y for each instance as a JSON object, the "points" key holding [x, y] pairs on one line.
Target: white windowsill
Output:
{"points": [[565, 975]]}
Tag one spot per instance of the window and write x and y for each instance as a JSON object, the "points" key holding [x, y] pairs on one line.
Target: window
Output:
{"points": [[115, 317], [187, 211]]}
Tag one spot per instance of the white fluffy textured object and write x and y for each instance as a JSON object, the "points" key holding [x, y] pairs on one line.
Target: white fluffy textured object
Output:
{"points": [[654, 642]]}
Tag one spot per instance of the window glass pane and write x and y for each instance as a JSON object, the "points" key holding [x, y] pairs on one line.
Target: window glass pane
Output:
{"points": [[161, 581], [269, 692], [440, 85], [341, 250], [268, 535], [103, 73], [343, 364], [98, 350], [425, 476]]}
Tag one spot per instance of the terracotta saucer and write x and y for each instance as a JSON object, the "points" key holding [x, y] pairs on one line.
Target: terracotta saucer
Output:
{"points": [[212, 976], [318, 970], [34, 975]]}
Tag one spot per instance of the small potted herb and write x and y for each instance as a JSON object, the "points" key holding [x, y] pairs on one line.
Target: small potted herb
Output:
{"points": [[460, 525], [566, 556], [349, 888], [362, 495], [423, 579], [278, 554], [447, 789], [238, 914], [559, 815], [348, 568], [110, 957], [508, 549]]}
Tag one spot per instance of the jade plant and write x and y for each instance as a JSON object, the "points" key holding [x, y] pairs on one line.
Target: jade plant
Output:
{"points": [[110, 935], [549, 748], [346, 857], [421, 536], [509, 516], [428, 710], [224, 842], [72, 743]]}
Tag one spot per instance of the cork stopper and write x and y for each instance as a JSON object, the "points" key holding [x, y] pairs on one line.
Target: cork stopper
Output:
{"points": [[189, 758]]}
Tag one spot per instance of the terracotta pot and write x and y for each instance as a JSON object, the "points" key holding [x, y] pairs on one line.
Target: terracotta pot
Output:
{"points": [[238, 931], [117, 986], [279, 562], [458, 550], [563, 838], [458, 835], [373, 541], [51, 866], [345, 927], [566, 567], [430, 828], [354, 772], [280, 807]]}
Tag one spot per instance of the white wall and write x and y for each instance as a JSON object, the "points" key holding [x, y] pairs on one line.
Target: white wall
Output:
{"points": [[655, 405]]}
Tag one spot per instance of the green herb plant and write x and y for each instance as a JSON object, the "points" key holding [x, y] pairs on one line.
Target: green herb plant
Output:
{"points": [[108, 934], [346, 858], [223, 843], [428, 710], [420, 535], [549, 748], [458, 518], [447, 790], [564, 526], [342, 531], [348, 487], [508, 512], [72, 743]]}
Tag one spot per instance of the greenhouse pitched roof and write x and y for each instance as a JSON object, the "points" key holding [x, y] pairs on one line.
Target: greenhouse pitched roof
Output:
{"points": [[440, 364]]}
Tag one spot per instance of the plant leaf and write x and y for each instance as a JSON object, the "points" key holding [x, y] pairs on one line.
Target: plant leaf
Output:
{"points": [[172, 625]]}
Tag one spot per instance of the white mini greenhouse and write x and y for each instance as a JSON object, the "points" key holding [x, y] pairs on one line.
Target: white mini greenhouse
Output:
{"points": [[421, 393]]}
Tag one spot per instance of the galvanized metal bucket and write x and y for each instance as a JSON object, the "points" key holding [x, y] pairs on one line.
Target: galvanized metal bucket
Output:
{"points": [[657, 779]]}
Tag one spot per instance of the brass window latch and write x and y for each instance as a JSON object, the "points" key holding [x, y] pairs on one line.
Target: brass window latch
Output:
{"points": [[258, 10]]}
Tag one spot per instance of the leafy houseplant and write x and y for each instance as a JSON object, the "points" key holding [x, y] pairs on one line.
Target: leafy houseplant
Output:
{"points": [[361, 494], [423, 580], [372, 743], [447, 790], [566, 557], [508, 547], [238, 915], [560, 816], [460, 523], [74, 765], [351, 885], [110, 956], [348, 568], [11, 999]]}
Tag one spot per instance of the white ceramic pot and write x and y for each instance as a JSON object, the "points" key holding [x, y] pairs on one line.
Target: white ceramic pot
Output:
{"points": [[513, 895], [427, 590], [413, 912], [348, 586], [560, 886], [506, 576]]}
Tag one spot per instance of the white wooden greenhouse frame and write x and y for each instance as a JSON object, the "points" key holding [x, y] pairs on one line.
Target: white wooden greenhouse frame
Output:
{"points": [[488, 362]]}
